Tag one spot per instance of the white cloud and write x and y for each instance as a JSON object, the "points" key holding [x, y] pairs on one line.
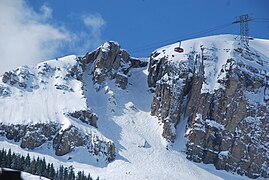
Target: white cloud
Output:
{"points": [[25, 38], [95, 23], [46, 11]]}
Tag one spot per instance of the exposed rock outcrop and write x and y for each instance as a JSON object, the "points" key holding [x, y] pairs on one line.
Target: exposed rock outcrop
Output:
{"points": [[170, 81], [67, 140], [38, 134], [111, 62], [31, 136], [4, 91], [64, 141], [226, 124], [20, 78], [86, 117]]}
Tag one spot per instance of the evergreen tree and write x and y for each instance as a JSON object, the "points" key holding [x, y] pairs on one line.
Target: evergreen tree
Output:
{"points": [[47, 170], [21, 163], [44, 171], [33, 167], [56, 175], [71, 173], [27, 163], [13, 161], [3, 158], [65, 173], [61, 172], [39, 167], [89, 177], [8, 159], [52, 172], [79, 175]]}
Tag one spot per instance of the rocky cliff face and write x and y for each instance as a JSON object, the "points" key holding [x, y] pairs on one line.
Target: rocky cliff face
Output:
{"points": [[221, 90], [111, 62], [63, 141]]}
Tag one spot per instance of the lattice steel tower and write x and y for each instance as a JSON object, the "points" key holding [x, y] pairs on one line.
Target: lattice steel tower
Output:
{"points": [[244, 30]]}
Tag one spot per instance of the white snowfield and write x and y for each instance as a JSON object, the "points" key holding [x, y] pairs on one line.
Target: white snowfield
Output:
{"points": [[27, 176], [124, 117], [41, 101]]}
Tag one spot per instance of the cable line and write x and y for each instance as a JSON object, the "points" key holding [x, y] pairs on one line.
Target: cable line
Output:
{"points": [[190, 35], [262, 18], [179, 38], [261, 21]]}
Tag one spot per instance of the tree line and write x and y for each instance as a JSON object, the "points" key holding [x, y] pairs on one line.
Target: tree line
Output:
{"points": [[39, 166]]}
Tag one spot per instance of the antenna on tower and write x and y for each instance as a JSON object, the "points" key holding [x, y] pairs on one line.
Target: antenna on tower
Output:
{"points": [[244, 30]]}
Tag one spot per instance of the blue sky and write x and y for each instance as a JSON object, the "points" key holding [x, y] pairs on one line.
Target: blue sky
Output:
{"points": [[74, 27]]}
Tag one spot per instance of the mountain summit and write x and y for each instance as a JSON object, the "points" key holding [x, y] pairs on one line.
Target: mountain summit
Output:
{"points": [[120, 117]]}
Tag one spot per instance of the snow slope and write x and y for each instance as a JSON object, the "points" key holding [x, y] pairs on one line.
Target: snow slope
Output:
{"points": [[216, 51], [28, 176], [141, 151], [42, 100], [124, 117]]}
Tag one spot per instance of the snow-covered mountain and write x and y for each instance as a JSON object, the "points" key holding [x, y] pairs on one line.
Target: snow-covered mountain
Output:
{"points": [[219, 90], [119, 117]]}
